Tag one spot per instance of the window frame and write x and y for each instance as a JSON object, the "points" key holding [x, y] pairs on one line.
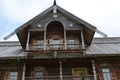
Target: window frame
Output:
{"points": [[13, 75], [55, 43], [40, 43], [106, 74], [38, 76], [71, 43]]}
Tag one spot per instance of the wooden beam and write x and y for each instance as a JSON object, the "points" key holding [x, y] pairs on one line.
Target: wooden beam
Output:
{"points": [[24, 69], [28, 38], [60, 66], [65, 41], [82, 39], [45, 39]]}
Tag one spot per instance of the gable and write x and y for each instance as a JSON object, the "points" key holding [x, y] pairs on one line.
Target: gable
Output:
{"points": [[61, 15], [49, 18]]}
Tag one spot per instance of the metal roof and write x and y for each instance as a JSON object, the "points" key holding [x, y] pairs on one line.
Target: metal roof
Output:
{"points": [[99, 46], [11, 49], [104, 46]]}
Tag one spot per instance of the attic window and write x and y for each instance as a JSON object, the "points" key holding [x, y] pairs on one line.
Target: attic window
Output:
{"points": [[71, 25]]}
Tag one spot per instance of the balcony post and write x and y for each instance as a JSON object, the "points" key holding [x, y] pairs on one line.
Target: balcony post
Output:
{"points": [[83, 43], [82, 39], [60, 68], [94, 70], [24, 68], [65, 45], [44, 40], [28, 38]]}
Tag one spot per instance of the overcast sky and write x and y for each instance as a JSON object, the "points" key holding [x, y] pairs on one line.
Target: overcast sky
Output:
{"points": [[103, 14]]}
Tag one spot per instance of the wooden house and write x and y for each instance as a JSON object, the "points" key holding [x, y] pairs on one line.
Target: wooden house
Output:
{"points": [[57, 45]]}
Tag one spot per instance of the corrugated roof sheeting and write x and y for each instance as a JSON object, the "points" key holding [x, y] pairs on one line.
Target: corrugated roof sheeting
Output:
{"points": [[104, 46], [106, 40], [11, 50], [103, 49]]}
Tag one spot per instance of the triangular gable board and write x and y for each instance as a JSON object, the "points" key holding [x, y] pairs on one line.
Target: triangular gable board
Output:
{"points": [[63, 16]]}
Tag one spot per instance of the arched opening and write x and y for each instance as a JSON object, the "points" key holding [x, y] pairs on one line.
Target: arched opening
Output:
{"points": [[55, 34], [55, 29]]}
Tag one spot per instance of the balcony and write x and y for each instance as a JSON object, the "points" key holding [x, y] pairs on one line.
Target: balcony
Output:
{"points": [[55, 47], [85, 77]]}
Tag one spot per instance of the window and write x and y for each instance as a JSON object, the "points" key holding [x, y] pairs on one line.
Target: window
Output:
{"points": [[56, 43], [40, 43], [71, 41], [71, 44], [38, 75], [106, 74], [13, 75]]}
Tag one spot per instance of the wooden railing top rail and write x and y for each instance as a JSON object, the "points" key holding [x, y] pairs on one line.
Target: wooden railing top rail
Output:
{"points": [[85, 77], [55, 46]]}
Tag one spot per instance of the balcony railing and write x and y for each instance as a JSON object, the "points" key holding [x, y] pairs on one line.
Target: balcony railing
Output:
{"points": [[85, 77], [55, 47]]}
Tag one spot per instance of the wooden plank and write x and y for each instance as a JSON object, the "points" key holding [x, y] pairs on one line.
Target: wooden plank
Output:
{"points": [[24, 69]]}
